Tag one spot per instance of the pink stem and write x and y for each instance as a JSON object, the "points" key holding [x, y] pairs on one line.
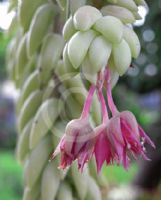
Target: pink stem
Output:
{"points": [[103, 105], [100, 81], [111, 103], [88, 102]]}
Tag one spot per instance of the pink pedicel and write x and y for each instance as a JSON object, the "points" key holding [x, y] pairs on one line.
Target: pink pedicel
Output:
{"points": [[78, 140], [113, 141]]}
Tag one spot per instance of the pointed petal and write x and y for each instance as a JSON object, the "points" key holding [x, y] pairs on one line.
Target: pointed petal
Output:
{"points": [[145, 157], [144, 135], [101, 150], [58, 148], [83, 158], [65, 161], [117, 147]]}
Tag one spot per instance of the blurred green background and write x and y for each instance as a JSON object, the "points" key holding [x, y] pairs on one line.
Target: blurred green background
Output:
{"points": [[138, 91]]}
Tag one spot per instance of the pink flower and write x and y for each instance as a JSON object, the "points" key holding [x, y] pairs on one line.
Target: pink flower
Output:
{"points": [[114, 141], [129, 136], [119, 137], [104, 151], [125, 132], [107, 148], [78, 140]]}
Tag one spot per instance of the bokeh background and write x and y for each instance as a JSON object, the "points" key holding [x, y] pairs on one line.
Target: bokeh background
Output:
{"points": [[138, 91]]}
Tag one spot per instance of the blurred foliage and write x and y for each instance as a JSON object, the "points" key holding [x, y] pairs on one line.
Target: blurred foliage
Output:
{"points": [[144, 75], [132, 103], [7, 123], [147, 68], [10, 177], [117, 174], [4, 39]]}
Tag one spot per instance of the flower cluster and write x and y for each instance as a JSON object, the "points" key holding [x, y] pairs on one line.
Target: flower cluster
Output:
{"points": [[114, 141]]}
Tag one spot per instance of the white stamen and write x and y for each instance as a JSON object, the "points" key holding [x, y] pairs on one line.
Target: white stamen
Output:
{"points": [[128, 146]]}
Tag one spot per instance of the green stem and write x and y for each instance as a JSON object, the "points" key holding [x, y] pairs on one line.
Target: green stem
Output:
{"points": [[67, 9]]}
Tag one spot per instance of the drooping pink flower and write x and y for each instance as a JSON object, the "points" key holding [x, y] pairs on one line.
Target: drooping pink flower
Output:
{"points": [[112, 142], [107, 148], [78, 140], [102, 151], [125, 131]]}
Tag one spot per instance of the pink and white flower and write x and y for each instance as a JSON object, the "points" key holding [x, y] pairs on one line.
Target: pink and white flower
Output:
{"points": [[78, 140], [120, 136], [114, 141], [125, 130]]}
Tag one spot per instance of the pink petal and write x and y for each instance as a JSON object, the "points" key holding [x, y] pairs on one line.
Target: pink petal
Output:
{"points": [[143, 134], [128, 134], [74, 144], [102, 151], [65, 161], [58, 148], [117, 148], [145, 157], [70, 143], [114, 127], [82, 159], [130, 119]]}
